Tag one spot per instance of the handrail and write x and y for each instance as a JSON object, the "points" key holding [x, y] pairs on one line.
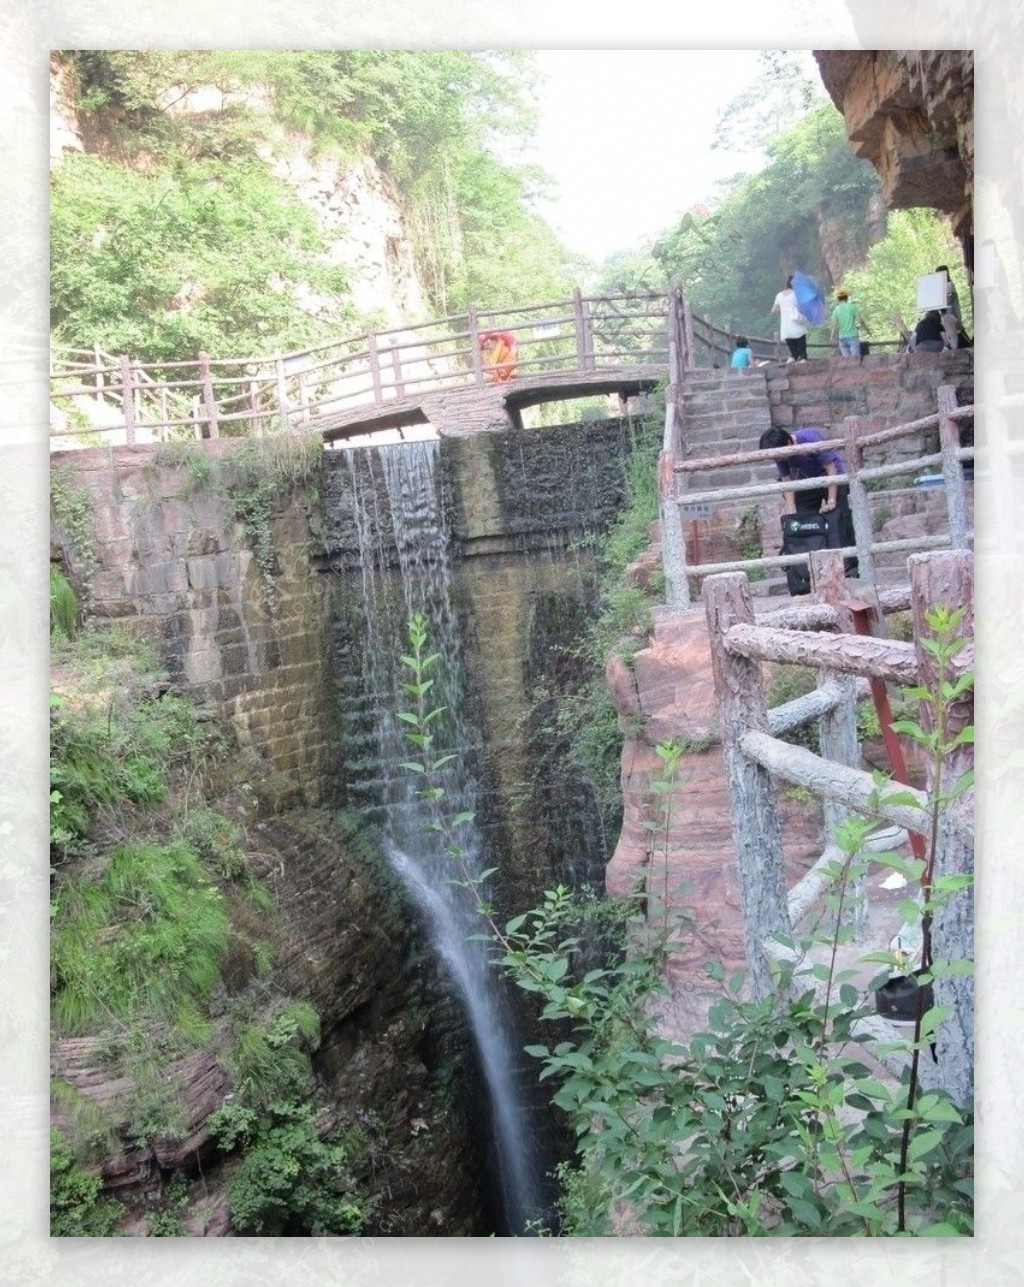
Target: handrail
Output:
{"points": [[853, 442], [584, 334], [755, 756]]}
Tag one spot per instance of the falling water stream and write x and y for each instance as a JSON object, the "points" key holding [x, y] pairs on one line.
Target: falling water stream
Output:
{"points": [[416, 854]]}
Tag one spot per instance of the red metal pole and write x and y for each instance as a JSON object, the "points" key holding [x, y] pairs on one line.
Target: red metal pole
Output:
{"points": [[861, 614]]}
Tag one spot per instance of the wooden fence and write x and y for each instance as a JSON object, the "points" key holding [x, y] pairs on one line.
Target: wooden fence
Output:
{"points": [[820, 633], [856, 446], [711, 345]]}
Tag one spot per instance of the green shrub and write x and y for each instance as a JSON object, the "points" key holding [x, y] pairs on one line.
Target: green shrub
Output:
{"points": [[216, 840], [76, 1208], [113, 745], [270, 1064], [145, 938], [292, 1181], [63, 606]]}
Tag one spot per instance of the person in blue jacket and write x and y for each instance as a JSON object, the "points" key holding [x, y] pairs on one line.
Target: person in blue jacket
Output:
{"points": [[742, 354]]}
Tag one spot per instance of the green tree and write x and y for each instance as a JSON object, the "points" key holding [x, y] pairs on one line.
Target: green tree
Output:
{"points": [[916, 242], [780, 95], [732, 263], [181, 236], [185, 256]]}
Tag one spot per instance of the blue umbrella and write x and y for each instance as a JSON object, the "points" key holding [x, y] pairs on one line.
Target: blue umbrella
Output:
{"points": [[810, 299]]}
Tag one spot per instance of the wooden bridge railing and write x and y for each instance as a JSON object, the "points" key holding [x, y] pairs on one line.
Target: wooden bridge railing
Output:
{"points": [[861, 477], [712, 345], [820, 634], [96, 394], [210, 396]]}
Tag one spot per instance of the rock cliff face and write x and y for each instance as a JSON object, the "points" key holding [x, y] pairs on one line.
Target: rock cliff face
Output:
{"points": [[353, 199], [911, 114], [391, 1058]]}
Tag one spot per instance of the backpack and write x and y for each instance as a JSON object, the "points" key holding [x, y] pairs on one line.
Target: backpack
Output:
{"points": [[802, 533]]}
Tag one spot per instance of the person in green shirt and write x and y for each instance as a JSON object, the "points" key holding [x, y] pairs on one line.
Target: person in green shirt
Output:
{"points": [[846, 320]]}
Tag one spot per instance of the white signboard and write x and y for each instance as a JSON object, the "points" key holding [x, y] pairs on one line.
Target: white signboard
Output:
{"points": [[931, 291], [702, 510]]}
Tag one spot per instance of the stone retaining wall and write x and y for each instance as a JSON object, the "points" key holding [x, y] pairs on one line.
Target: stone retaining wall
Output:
{"points": [[888, 388], [171, 557]]}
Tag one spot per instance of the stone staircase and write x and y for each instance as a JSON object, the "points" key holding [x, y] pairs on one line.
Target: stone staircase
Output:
{"points": [[725, 412]]}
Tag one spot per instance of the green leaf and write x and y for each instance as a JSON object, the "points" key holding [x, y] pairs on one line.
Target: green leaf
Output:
{"points": [[412, 766], [923, 1144], [911, 728], [960, 785]]}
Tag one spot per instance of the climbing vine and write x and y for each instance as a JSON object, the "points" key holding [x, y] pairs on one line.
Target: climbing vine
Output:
{"points": [[71, 509]]}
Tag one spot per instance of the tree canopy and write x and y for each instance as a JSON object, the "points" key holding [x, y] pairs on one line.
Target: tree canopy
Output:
{"points": [[174, 232], [733, 261]]}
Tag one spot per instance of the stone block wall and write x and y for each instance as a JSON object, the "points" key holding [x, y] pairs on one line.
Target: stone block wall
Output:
{"points": [[888, 388], [523, 510], [170, 556]]}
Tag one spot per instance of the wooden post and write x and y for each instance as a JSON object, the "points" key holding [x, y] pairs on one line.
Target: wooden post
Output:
{"points": [[165, 415], [711, 338], [303, 395], [97, 359], [209, 402], [475, 356], [690, 348], [584, 339], [673, 542], [947, 578], [128, 398], [254, 408], [752, 799], [859, 506], [396, 364], [378, 391], [677, 332], [952, 467], [282, 391], [839, 725]]}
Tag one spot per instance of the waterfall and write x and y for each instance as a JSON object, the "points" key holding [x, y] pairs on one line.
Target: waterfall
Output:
{"points": [[413, 537]]}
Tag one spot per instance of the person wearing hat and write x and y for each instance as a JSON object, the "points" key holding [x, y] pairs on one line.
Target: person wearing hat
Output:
{"points": [[846, 320]]}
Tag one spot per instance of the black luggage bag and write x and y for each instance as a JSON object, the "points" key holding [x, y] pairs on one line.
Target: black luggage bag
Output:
{"points": [[802, 533]]}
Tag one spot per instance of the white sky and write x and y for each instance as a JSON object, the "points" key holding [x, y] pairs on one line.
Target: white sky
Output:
{"points": [[626, 134]]}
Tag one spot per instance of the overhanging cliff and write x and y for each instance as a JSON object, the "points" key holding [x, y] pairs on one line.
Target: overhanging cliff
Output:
{"points": [[911, 114]]}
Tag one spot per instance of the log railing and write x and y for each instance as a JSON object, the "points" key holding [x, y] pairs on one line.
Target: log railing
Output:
{"points": [[856, 445], [820, 634]]}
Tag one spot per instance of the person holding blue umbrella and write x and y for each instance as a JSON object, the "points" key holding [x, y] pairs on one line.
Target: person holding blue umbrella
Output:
{"points": [[792, 323]]}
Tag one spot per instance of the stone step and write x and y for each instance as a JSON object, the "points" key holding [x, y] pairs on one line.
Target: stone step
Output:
{"points": [[734, 397], [724, 426]]}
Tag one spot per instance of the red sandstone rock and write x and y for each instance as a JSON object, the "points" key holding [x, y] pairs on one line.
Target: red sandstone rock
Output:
{"points": [[670, 685]]}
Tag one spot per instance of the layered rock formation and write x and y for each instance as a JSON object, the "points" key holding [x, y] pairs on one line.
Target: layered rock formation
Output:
{"points": [[911, 114]]}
